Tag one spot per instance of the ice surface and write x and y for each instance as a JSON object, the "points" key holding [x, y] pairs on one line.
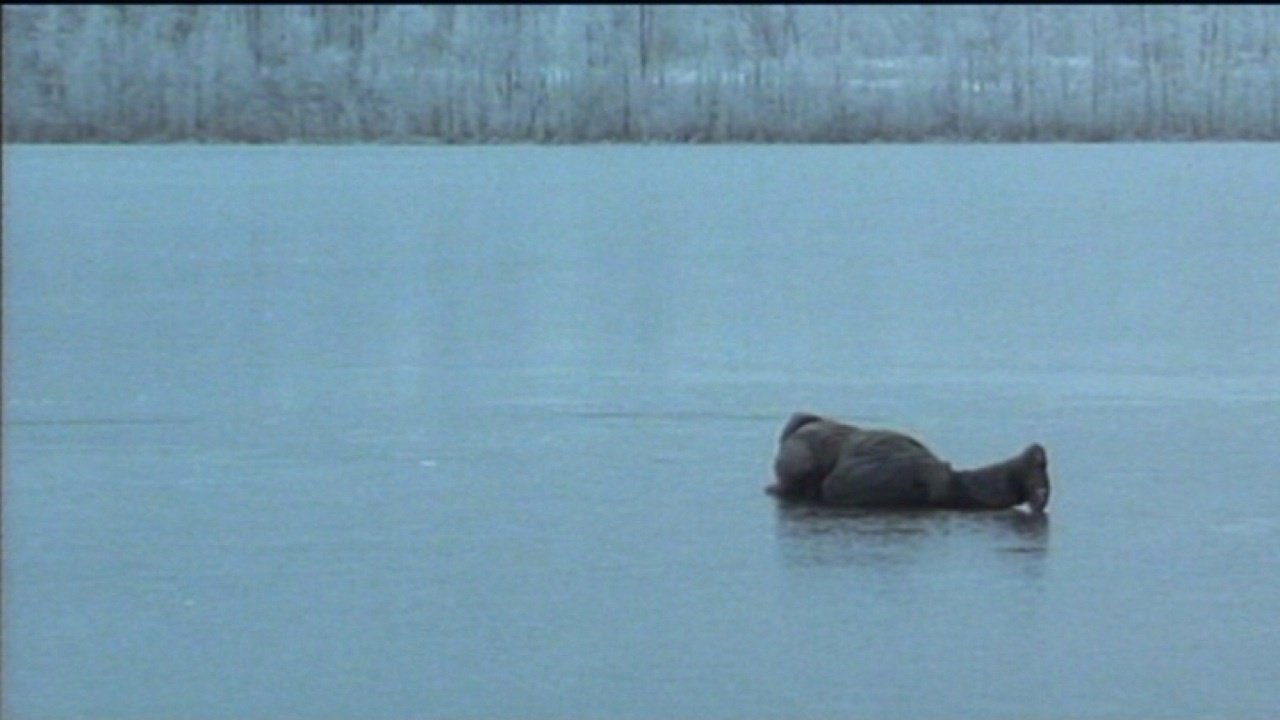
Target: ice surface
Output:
{"points": [[389, 432]]}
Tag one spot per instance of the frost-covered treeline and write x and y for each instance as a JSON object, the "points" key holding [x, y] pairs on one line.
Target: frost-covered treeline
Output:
{"points": [[639, 72]]}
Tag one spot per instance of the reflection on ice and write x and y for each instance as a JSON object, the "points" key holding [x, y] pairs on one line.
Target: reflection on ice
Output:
{"points": [[814, 535]]}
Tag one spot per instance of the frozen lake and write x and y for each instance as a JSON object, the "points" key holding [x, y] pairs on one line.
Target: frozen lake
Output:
{"points": [[482, 432]]}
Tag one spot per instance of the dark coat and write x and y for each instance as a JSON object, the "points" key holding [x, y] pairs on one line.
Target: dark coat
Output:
{"points": [[834, 463]]}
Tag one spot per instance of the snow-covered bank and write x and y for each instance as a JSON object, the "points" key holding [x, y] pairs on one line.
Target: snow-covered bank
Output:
{"points": [[552, 73]]}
